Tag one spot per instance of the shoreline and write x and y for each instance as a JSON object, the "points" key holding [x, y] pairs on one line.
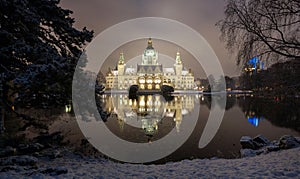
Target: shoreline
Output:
{"points": [[283, 163], [262, 158]]}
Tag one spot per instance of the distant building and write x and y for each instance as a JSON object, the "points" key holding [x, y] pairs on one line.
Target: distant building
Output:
{"points": [[254, 65], [150, 75]]}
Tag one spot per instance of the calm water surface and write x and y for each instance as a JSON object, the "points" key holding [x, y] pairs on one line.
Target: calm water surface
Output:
{"points": [[150, 118]]}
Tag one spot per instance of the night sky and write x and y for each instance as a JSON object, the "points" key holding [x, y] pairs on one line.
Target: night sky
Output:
{"points": [[201, 15]]}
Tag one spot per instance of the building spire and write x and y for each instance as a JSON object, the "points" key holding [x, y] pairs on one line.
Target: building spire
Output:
{"points": [[178, 58], [121, 59], [150, 44]]}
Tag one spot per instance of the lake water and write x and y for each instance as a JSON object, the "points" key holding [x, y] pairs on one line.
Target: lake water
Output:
{"points": [[150, 118], [179, 121]]}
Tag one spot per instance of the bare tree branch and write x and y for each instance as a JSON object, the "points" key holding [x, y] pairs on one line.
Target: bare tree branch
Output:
{"points": [[266, 28]]}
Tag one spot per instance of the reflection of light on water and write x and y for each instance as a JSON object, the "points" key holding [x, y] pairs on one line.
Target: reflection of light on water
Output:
{"points": [[130, 114], [169, 114], [254, 120], [184, 112], [150, 126], [149, 110], [142, 101], [130, 102], [202, 98]]}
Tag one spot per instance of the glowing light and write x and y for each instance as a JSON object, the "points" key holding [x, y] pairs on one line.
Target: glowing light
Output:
{"points": [[157, 80], [142, 80], [254, 120], [68, 108], [142, 101], [149, 80], [149, 101]]}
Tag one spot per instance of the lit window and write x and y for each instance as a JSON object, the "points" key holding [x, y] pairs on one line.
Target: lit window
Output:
{"points": [[142, 80], [157, 80], [149, 80]]}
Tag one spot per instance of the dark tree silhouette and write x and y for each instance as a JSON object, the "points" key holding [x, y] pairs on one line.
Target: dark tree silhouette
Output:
{"points": [[268, 29], [39, 50]]}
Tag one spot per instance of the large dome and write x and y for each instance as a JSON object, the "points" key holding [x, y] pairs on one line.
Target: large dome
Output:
{"points": [[150, 55]]}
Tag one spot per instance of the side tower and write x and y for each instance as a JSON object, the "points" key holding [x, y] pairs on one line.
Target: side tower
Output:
{"points": [[178, 71], [121, 70], [121, 65]]}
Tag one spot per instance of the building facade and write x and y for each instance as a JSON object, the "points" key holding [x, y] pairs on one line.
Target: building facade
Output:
{"points": [[150, 75]]}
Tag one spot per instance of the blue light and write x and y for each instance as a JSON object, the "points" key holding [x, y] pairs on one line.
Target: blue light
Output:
{"points": [[254, 61], [254, 120]]}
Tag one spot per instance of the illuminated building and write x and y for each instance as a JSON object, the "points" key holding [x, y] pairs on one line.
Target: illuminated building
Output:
{"points": [[254, 65], [150, 75]]}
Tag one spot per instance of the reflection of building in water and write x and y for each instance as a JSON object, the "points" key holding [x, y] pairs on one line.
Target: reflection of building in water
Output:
{"points": [[149, 110], [252, 118], [181, 105], [150, 75]]}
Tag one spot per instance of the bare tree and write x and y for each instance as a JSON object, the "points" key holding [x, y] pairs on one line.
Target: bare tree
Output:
{"points": [[268, 29]]}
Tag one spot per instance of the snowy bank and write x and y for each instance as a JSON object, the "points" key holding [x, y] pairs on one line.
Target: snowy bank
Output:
{"points": [[283, 163]]}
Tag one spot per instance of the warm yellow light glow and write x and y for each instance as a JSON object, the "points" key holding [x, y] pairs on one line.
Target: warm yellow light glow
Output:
{"points": [[142, 101], [68, 108], [142, 109], [149, 80], [149, 97], [130, 102], [149, 86], [157, 80], [142, 80]]}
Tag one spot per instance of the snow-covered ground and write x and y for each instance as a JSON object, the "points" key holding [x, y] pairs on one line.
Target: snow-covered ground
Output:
{"points": [[280, 164]]}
